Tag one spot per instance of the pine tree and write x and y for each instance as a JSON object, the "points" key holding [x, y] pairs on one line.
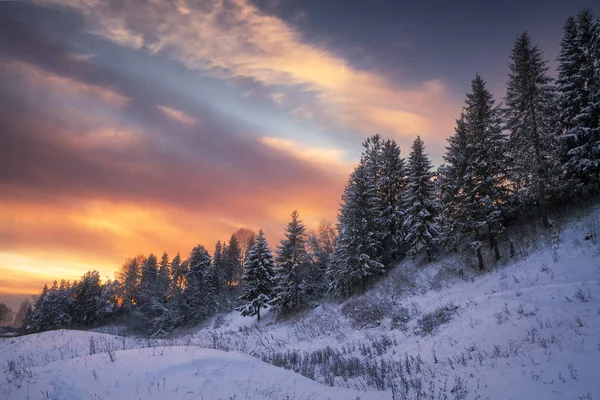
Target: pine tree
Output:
{"points": [[53, 308], [292, 265], [390, 186], [87, 295], [420, 204], [219, 267], [178, 274], [358, 247], [258, 277], [382, 205], [198, 295], [579, 87], [484, 181], [232, 262], [129, 278], [163, 282], [530, 119], [451, 182], [148, 280], [321, 245]]}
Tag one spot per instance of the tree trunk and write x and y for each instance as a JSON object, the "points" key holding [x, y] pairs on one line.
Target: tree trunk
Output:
{"points": [[480, 258], [494, 245], [258, 314], [544, 216], [512, 249]]}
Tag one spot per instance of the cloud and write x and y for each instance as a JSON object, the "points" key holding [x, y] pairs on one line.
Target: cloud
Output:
{"points": [[326, 158], [233, 38], [74, 89], [177, 115]]}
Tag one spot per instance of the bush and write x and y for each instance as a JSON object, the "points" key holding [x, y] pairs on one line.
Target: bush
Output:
{"points": [[430, 322], [365, 311], [400, 318]]}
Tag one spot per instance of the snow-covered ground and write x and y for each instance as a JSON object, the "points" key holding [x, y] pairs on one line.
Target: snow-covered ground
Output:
{"points": [[528, 329]]}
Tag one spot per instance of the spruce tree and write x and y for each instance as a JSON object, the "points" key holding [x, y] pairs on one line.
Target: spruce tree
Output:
{"points": [[484, 188], [390, 186], [420, 204], [178, 275], [163, 278], [292, 265], [451, 183], [87, 297], [529, 117], [129, 278], [579, 92], [148, 280], [358, 246], [232, 262], [258, 277], [199, 301], [321, 245]]}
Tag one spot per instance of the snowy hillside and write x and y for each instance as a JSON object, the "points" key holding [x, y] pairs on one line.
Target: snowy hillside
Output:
{"points": [[528, 329]]}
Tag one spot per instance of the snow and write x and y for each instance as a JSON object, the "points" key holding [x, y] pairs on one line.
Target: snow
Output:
{"points": [[530, 328]]}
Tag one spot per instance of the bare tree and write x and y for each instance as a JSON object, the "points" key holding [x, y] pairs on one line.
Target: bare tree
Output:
{"points": [[6, 314], [245, 238]]}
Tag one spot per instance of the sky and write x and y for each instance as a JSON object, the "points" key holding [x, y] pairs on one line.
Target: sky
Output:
{"points": [[129, 127]]}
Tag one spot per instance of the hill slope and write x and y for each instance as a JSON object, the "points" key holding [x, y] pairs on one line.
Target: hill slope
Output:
{"points": [[528, 329]]}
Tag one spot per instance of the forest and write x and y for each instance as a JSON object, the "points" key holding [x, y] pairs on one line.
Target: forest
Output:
{"points": [[509, 160]]}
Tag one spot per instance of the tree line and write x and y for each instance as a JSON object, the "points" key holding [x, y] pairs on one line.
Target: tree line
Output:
{"points": [[538, 150]]}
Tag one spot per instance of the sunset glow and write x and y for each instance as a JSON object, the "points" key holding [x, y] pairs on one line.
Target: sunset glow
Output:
{"points": [[131, 127]]}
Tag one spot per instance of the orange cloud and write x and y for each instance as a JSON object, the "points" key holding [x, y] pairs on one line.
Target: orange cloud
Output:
{"points": [[237, 39], [177, 115], [313, 155]]}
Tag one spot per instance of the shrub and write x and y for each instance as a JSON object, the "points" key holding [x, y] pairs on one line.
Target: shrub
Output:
{"points": [[430, 322], [366, 311], [400, 318]]}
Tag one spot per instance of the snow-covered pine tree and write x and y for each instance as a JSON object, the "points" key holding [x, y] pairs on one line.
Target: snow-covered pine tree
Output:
{"points": [[148, 295], [163, 277], [232, 262], [53, 308], [258, 277], [390, 186], [451, 183], [87, 296], [321, 245], [358, 246], [485, 178], [148, 280], [198, 295], [530, 118], [177, 275], [420, 204], [292, 265], [129, 278], [219, 267], [579, 92]]}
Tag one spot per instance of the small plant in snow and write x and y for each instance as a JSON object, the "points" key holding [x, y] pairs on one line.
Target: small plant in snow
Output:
{"points": [[583, 293], [573, 371], [430, 322], [400, 318], [365, 311]]}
